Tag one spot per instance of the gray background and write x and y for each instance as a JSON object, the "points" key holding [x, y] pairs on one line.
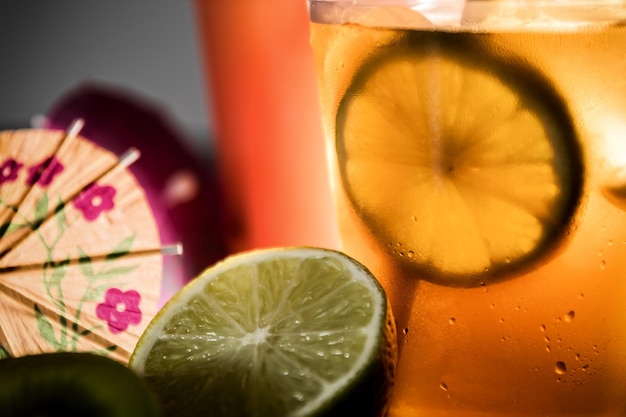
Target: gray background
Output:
{"points": [[48, 47]]}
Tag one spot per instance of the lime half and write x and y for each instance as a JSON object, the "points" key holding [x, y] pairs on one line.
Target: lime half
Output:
{"points": [[274, 332], [460, 160]]}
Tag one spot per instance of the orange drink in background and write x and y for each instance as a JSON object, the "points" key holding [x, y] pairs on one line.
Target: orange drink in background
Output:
{"points": [[478, 158], [268, 138]]}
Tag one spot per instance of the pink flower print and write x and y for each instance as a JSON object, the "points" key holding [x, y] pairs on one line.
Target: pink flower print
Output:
{"points": [[44, 172], [95, 199], [119, 309], [9, 170]]}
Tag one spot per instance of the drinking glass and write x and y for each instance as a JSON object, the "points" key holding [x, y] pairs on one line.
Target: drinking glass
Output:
{"points": [[477, 153]]}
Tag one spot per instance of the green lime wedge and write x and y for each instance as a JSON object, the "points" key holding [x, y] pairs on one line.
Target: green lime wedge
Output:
{"points": [[274, 332]]}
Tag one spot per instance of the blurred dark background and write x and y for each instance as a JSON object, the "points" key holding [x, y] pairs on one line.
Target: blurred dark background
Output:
{"points": [[146, 46]]}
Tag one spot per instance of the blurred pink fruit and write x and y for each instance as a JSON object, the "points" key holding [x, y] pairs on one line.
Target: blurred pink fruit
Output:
{"points": [[182, 188]]}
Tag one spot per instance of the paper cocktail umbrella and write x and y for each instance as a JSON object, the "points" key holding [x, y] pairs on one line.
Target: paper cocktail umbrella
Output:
{"points": [[80, 255]]}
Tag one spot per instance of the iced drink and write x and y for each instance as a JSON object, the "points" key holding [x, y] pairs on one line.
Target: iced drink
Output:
{"points": [[478, 161]]}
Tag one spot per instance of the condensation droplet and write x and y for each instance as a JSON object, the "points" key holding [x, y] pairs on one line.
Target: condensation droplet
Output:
{"points": [[569, 317], [581, 296], [542, 328], [452, 320], [548, 349], [602, 265], [560, 368], [443, 386]]}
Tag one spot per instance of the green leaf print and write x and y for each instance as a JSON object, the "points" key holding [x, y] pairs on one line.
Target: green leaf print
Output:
{"points": [[122, 248], [85, 263], [95, 293], [60, 216], [41, 209], [45, 329]]}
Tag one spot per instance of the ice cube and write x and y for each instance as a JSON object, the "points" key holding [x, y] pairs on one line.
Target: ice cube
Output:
{"points": [[391, 17], [389, 13], [510, 14], [441, 12]]}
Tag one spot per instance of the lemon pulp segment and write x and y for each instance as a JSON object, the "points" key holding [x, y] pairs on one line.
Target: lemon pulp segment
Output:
{"points": [[467, 162]]}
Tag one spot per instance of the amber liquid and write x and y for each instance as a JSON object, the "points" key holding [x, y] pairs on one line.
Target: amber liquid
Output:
{"points": [[550, 341]]}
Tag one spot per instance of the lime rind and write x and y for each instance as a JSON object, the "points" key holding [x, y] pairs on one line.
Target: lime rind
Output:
{"points": [[274, 332], [73, 384], [443, 144]]}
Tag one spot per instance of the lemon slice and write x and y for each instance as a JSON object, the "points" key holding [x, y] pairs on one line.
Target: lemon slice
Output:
{"points": [[274, 332], [465, 164]]}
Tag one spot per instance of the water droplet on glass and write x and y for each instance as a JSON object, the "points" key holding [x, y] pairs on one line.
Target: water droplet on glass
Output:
{"points": [[443, 386], [452, 320], [602, 265], [542, 328], [569, 317], [560, 368]]}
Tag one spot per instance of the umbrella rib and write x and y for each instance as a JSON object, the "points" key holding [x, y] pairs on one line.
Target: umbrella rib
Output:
{"points": [[124, 160], [173, 250]]}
